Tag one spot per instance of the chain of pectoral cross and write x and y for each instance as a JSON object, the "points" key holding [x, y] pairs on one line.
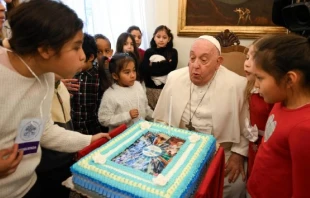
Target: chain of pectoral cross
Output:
{"points": [[190, 124]]}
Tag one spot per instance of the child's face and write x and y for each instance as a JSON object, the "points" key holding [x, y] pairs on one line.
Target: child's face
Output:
{"points": [[268, 87], [104, 48], [161, 38], [70, 59], [137, 35], [248, 65], [88, 64], [2, 13], [127, 75], [128, 45]]}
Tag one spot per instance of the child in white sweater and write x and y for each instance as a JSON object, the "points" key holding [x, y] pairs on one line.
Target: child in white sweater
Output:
{"points": [[41, 46], [125, 101]]}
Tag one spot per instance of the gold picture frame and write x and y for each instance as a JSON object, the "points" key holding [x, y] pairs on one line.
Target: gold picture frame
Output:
{"points": [[242, 31]]}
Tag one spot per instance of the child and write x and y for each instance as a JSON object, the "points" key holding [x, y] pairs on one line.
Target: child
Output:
{"points": [[283, 77], [103, 46], [41, 46], [85, 102], [3, 5], [2, 15], [137, 34], [158, 62], [125, 44], [104, 51], [259, 110], [125, 101]]}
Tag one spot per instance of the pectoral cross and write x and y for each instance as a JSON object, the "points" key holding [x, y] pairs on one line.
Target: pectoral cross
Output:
{"points": [[190, 126]]}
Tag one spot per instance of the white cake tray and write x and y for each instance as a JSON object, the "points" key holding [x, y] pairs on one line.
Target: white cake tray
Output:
{"points": [[82, 192], [69, 184]]}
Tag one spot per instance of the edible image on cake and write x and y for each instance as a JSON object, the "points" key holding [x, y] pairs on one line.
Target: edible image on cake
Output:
{"points": [[151, 153], [146, 160]]}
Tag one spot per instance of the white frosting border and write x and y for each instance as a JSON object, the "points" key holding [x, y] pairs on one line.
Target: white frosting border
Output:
{"points": [[193, 139]]}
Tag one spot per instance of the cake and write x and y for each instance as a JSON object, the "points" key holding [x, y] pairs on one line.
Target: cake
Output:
{"points": [[146, 160]]}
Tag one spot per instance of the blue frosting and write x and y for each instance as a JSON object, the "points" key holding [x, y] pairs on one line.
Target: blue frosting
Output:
{"points": [[108, 187]]}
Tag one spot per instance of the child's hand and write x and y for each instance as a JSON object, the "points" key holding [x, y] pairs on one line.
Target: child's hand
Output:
{"points": [[9, 160], [100, 135], [134, 113]]}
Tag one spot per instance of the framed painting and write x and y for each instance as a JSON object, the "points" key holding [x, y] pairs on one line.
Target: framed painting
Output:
{"points": [[245, 18]]}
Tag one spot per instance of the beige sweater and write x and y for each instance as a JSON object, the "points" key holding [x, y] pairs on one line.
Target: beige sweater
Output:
{"points": [[20, 98]]}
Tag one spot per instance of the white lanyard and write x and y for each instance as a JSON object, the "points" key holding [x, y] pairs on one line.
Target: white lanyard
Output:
{"points": [[47, 90]]}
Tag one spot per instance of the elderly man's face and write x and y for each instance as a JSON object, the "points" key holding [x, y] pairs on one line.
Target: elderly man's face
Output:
{"points": [[204, 61]]}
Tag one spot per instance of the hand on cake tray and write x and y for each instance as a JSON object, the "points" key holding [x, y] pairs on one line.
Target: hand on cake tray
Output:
{"points": [[234, 166], [9, 160], [100, 135]]}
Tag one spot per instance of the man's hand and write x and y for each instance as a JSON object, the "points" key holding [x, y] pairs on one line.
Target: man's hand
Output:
{"points": [[9, 160], [71, 84], [100, 135], [234, 166]]}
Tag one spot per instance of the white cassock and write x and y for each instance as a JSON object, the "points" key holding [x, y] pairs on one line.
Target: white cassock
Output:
{"points": [[225, 102], [222, 110]]}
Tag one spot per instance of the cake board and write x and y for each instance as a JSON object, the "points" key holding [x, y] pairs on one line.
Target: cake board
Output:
{"points": [[68, 183]]}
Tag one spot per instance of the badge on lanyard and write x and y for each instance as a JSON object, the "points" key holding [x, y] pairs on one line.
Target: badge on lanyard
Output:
{"points": [[30, 130], [29, 135]]}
